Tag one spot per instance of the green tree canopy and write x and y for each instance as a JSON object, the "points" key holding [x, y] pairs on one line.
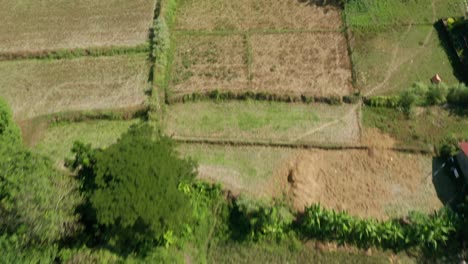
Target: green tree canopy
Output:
{"points": [[36, 205], [132, 186]]}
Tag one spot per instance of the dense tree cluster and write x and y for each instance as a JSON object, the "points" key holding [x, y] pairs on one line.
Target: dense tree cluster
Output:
{"points": [[132, 189]]}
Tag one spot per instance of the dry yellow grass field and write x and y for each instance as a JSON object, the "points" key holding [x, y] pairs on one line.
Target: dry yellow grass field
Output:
{"points": [[39, 87], [258, 14], [204, 63], [32, 25], [314, 64]]}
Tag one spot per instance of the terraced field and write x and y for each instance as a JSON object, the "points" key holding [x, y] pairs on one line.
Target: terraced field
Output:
{"points": [[30, 26], [39, 87]]}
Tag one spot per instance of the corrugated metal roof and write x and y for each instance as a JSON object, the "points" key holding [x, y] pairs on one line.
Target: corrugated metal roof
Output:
{"points": [[464, 147]]}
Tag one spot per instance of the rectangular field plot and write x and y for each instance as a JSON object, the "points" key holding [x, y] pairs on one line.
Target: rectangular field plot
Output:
{"points": [[314, 64], [264, 121], [34, 26], [57, 140], [258, 14], [391, 61], [205, 63], [40, 87], [371, 13], [248, 170], [379, 183]]}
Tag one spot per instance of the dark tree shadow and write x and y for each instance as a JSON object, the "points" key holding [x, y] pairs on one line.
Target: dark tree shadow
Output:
{"points": [[458, 68], [448, 191], [334, 3]]}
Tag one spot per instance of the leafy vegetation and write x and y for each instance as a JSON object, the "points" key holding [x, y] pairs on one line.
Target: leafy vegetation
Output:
{"points": [[141, 177], [428, 127], [419, 229]]}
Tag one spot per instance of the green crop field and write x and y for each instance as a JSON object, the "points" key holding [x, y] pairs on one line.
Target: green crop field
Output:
{"points": [[58, 139], [366, 14], [391, 61], [30, 26], [40, 87], [264, 121]]}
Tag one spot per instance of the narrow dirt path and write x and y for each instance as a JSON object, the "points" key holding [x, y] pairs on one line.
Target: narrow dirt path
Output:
{"points": [[328, 124], [395, 66]]}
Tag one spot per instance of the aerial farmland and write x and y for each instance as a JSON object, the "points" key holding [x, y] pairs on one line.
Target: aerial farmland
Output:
{"points": [[251, 131]]}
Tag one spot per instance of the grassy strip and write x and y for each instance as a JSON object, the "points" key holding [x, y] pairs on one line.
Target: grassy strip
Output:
{"points": [[260, 96], [162, 53], [76, 53]]}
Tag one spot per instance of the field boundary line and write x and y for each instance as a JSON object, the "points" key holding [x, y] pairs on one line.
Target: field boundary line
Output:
{"points": [[76, 53], [245, 94], [293, 145], [254, 31]]}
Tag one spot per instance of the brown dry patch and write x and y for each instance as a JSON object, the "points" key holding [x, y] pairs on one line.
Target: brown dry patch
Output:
{"points": [[31, 25], [204, 63], [379, 184], [34, 88], [315, 64], [374, 138], [258, 14]]}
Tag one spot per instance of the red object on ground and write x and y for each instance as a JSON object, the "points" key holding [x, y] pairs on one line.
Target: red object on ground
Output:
{"points": [[464, 147]]}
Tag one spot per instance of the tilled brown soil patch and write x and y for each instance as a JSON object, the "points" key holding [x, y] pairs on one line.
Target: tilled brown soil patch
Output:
{"points": [[258, 14], [375, 183], [206, 63], [314, 64]]}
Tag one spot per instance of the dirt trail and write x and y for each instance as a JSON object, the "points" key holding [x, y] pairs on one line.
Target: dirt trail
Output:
{"points": [[328, 124], [394, 66]]}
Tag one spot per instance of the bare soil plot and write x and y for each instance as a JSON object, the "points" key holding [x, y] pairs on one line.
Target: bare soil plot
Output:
{"points": [[391, 61], [265, 121], [375, 183], [315, 64], [204, 63], [39, 87], [32, 26], [256, 14]]}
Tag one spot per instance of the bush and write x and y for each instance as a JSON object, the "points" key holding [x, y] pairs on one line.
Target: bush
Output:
{"points": [[9, 131], [448, 147], [436, 94], [458, 95], [258, 220]]}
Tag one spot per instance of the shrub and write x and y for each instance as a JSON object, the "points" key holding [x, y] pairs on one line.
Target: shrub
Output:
{"points": [[436, 94], [9, 131], [448, 146], [261, 220], [458, 95]]}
